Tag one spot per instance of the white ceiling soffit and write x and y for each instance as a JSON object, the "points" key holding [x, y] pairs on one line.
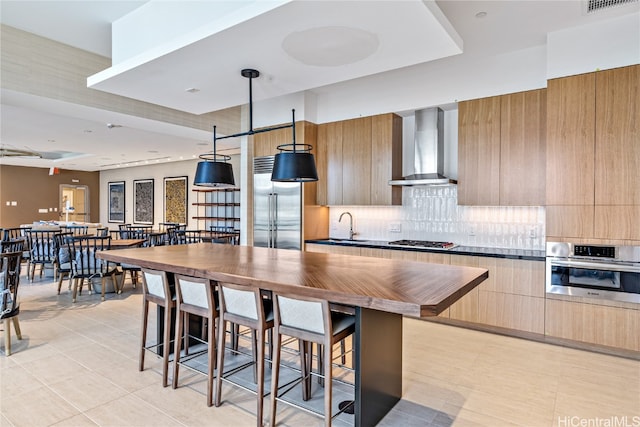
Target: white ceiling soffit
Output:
{"points": [[297, 46]]}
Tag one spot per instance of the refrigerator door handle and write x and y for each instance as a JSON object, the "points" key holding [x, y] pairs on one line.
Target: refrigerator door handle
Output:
{"points": [[275, 220], [269, 221]]}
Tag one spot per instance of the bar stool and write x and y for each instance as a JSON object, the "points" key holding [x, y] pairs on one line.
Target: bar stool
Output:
{"points": [[195, 296], [311, 321], [244, 306], [157, 289]]}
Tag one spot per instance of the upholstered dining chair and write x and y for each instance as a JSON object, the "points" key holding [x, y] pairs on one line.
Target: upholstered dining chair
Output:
{"points": [[195, 296], [244, 306], [42, 250], [310, 320], [63, 258], [85, 264], [157, 289], [9, 301]]}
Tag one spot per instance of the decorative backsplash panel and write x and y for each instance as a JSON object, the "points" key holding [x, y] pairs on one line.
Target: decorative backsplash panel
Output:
{"points": [[432, 213]]}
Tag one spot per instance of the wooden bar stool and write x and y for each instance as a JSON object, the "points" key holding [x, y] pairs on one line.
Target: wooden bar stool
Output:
{"points": [[244, 306], [311, 321], [156, 289], [195, 296]]}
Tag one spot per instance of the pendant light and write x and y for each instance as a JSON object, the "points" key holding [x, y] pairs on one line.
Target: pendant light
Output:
{"points": [[214, 171], [294, 162]]}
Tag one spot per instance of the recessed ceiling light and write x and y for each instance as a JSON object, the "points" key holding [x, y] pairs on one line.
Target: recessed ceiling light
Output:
{"points": [[51, 140], [153, 151], [88, 131], [202, 144], [192, 90], [481, 14]]}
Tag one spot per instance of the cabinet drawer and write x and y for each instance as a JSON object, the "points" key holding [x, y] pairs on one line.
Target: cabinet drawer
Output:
{"points": [[520, 312]]}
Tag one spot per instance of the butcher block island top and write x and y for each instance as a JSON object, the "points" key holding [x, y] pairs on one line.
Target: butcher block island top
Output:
{"points": [[403, 287]]}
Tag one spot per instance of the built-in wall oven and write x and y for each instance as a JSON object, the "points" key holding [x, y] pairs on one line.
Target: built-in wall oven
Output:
{"points": [[595, 271]]}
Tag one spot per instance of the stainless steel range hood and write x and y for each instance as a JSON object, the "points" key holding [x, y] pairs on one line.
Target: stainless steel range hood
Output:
{"points": [[426, 153]]}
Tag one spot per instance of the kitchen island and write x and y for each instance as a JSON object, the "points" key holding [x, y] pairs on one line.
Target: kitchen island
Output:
{"points": [[380, 290]]}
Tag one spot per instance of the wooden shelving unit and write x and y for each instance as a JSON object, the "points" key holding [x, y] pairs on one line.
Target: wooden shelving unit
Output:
{"points": [[218, 208]]}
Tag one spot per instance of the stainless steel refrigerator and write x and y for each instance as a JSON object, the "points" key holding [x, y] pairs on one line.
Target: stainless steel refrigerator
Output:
{"points": [[277, 209]]}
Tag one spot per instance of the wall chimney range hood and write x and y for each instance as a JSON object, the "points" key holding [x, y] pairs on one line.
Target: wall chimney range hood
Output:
{"points": [[426, 151]]}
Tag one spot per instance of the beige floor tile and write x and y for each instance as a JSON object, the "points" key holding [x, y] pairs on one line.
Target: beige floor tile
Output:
{"points": [[39, 407], [77, 421], [55, 368], [17, 380], [4, 421], [130, 410], [87, 390]]}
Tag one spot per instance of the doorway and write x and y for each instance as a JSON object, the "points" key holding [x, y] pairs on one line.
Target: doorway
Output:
{"points": [[74, 203]]}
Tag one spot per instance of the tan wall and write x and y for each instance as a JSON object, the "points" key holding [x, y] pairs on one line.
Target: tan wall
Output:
{"points": [[34, 188]]}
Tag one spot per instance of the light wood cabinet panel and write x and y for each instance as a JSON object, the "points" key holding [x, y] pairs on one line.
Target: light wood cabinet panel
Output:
{"points": [[570, 140], [466, 308], [356, 173], [523, 148], [569, 221], [591, 323], [386, 159], [520, 312], [617, 127], [387, 253], [432, 257], [479, 152], [330, 166], [332, 249], [617, 222], [514, 276], [359, 158]]}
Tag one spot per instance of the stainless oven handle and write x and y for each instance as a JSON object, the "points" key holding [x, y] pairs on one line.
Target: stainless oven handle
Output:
{"points": [[596, 266]]}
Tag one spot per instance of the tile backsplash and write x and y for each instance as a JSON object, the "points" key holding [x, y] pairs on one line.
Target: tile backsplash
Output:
{"points": [[432, 213]]}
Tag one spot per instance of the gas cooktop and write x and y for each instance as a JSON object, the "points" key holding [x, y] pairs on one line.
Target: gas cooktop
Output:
{"points": [[424, 244]]}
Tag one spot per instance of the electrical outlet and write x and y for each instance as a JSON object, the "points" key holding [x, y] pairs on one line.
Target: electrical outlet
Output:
{"points": [[395, 227]]}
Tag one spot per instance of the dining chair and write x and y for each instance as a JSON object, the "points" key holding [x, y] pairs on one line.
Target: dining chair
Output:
{"points": [[42, 250], [13, 245], [186, 237], [63, 258], [9, 301], [124, 230], [76, 230], [157, 289], [195, 296], [85, 264], [244, 306], [310, 320]]}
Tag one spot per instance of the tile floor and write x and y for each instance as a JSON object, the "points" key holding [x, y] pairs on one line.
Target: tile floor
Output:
{"points": [[77, 366]]}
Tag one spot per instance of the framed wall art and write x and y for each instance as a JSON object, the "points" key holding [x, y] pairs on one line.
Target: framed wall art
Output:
{"points": [[175, 199], [116, 202], [143, 201]]}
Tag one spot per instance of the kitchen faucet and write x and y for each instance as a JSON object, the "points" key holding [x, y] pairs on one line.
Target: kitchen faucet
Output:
{"points": [[351, 232]]}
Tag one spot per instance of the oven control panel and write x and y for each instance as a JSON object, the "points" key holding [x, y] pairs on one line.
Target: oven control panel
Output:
{"points": [[594, 251]]}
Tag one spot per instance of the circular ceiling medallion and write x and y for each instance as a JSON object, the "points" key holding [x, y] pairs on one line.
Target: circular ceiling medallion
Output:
{"points": [[330, 46]]}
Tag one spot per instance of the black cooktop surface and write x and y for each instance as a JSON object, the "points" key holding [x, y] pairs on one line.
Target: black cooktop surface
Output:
{"points": [[423, 244]]}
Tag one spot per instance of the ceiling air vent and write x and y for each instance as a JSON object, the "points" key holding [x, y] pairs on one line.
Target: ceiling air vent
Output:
{"points": [[596, 5]]}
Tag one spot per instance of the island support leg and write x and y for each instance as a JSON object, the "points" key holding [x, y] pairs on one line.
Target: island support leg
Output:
{"points": [[378, 345]]}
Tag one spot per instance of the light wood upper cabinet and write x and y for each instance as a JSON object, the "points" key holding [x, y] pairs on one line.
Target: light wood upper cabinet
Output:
{"points": [[356, 163], [386, 159], [570, 140], [523, 148], [361, 156], [266, 144], [617, 136], [479, 152], [593, 155], [501, 150]]}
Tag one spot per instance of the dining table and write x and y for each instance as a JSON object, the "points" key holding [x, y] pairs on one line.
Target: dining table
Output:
{"points": [[126, 243], [381, 292]]}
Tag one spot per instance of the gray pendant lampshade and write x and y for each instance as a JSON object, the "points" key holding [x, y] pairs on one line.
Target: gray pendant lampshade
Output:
{"points": [[214, 174], [294, 167]]}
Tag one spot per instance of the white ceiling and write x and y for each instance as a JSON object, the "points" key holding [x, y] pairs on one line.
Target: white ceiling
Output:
{"points": [[390, 35]]}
